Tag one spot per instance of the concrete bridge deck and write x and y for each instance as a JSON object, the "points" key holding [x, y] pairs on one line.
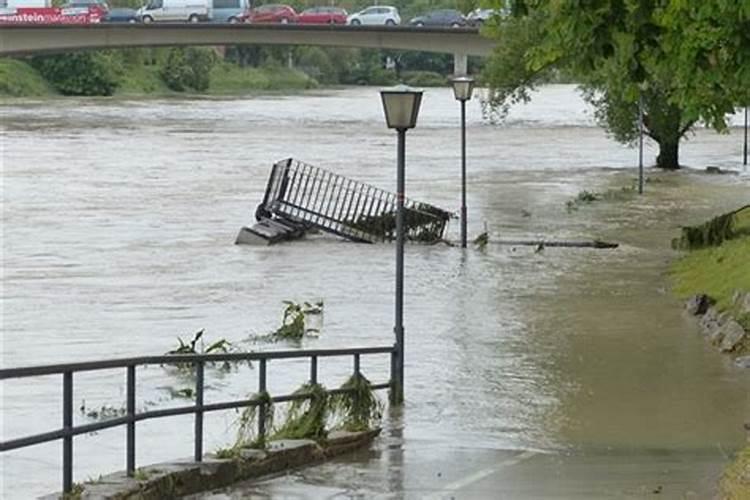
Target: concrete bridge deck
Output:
{"points": [[31, 39]]}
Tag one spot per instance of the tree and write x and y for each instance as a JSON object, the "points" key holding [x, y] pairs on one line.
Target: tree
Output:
{"points": [[623, 50], [81, 73], [188, 68]]}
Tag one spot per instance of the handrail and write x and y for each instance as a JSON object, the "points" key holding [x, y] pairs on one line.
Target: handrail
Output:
{"points": [[39, 370], [67, 370]]}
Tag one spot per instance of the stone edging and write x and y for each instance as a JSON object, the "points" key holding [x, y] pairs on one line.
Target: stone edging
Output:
{"points": [[721, 329], [179, 478]]}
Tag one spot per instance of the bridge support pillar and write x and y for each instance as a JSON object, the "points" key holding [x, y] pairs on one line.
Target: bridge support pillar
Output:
{"points": [[460, 64]]}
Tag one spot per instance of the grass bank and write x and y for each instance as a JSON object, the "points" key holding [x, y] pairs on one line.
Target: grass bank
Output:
{"points": [[735, 482], [231, 79], [717, 272], [719, 267], [19, 79]]}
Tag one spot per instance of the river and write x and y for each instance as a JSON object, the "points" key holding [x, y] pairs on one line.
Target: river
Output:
{"points": [[119, 218]]}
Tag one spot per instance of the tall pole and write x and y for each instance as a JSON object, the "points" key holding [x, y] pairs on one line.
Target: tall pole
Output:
{"points": [[744, 157], [640, 143], [399, 328], [463, 174]]}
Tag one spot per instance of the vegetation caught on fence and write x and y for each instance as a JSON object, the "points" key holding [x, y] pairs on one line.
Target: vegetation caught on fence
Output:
{"points": [[422, 222], [713, 233], [357, 409]]}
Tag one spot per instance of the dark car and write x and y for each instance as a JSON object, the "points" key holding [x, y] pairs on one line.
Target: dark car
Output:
{"points": [[445, 17], [323, 15], [120, 15], [271, 13]]}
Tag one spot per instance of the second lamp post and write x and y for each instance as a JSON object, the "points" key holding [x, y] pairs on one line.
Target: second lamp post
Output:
{"points": [[401, 106], [462, 89]]}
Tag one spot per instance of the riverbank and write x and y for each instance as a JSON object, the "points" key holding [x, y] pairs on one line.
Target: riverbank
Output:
{"points": [[195, 71], [20, 79], [716, 277]]}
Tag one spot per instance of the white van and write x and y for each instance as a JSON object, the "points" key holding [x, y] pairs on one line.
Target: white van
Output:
{"points": [[175, 10]]}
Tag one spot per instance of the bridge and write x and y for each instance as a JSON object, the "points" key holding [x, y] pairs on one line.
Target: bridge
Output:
{"points": [[19, 39]]}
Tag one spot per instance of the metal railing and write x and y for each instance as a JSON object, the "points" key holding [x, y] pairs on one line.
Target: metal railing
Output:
{"points": [[199, 361], [313, 196]]}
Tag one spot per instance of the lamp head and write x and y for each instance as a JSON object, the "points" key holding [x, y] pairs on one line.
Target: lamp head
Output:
{"points": [[401, 106], [463, 86]]}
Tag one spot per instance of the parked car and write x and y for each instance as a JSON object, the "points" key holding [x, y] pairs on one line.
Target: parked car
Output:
{"points": [[444, 17], [120, 15], [377, 15], [323, 15], [174, 10], [271, 13], [99, 7], [228, 11]]}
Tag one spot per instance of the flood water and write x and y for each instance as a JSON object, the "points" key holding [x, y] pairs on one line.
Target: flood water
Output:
{"points": [[119, 219]]}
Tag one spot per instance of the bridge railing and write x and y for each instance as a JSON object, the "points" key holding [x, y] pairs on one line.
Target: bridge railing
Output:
{"points": [[199, 361]]}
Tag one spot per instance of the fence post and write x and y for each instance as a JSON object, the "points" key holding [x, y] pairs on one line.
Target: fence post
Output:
{"points": [[313, 370], [130, 406], [199, 373], [67, 426], [356, 365], [262, 407]]}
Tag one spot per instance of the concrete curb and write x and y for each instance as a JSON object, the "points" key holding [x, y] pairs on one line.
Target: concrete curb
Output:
{"points": [[179, 478]]}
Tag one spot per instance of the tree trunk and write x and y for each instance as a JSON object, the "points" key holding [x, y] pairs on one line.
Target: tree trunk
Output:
{"points": [[668, 155]]}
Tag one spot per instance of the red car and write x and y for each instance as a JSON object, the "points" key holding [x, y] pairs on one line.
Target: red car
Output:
{"points": [[270, 14], [323, 15]]}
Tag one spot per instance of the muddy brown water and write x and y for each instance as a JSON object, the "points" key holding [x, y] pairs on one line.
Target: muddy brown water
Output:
{"points": [[118, 223]]}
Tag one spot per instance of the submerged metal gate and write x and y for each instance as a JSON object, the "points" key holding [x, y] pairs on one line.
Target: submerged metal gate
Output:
{"points": [[315, 197]]}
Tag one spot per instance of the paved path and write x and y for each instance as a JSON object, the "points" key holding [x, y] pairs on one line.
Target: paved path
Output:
{"points": [[426, 470]]}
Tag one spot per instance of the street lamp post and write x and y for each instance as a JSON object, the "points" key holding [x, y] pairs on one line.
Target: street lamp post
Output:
{"points": [[401, 106], [744, 149], [640, 142], [462, 89]]}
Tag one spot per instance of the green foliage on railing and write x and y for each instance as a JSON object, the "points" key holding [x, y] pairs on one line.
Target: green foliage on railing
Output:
{"points": [[714, 232], [306, 419], [360, 408]]}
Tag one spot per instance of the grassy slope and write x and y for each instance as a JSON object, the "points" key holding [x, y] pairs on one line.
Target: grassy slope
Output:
{"points": [[718, 272], [140, 80], [231, 79], [735, 483], [19, 79]]}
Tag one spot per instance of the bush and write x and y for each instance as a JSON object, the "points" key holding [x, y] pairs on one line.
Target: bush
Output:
{"points": [[81, 73], [188, 69], [424, 79]]}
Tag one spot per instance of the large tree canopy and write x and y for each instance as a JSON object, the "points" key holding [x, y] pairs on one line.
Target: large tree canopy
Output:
{"points": [[689, 61]]}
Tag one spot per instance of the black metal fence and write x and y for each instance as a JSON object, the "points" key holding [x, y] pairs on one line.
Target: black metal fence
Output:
{"points": [[316, 197], [68, 430]]}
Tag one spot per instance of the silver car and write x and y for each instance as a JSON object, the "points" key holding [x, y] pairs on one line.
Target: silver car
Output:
{"points": [[376, 15]]}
